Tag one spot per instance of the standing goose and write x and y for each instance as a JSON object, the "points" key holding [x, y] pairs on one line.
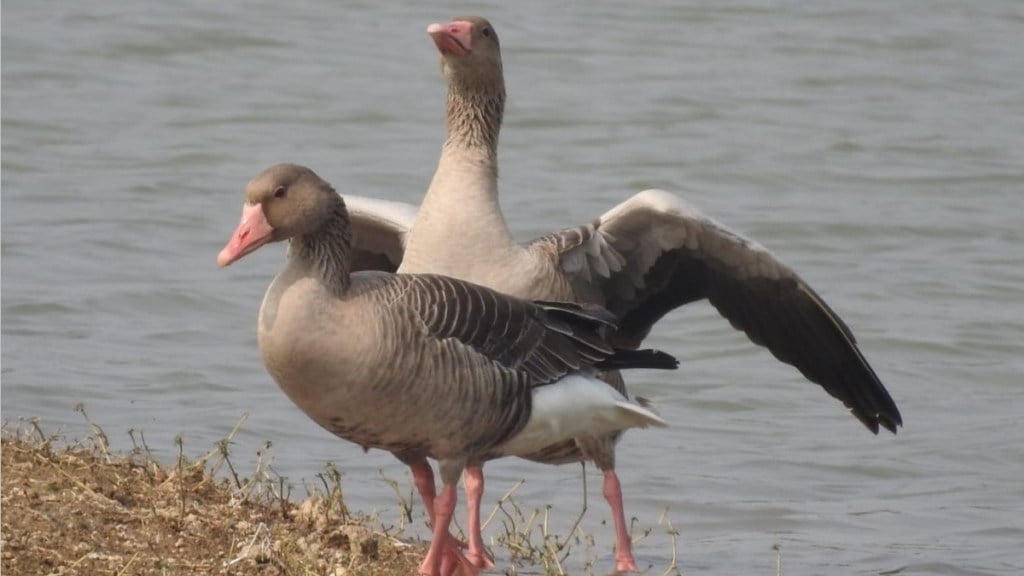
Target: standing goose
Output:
{"points": [[641, 259], [422, 365]]}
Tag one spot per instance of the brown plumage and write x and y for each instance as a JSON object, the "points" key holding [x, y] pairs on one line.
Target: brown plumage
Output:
{"points": [[421, 365]]}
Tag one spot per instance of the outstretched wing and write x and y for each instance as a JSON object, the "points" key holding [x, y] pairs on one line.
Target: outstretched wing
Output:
{"points": [[654, 252]]}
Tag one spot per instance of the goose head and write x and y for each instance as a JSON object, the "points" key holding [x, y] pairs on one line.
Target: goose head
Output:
{"points": [[282, 202], [470, 52]]}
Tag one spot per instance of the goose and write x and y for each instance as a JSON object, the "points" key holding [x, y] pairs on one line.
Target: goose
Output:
{"points": [[423, 365], [641, 259]]}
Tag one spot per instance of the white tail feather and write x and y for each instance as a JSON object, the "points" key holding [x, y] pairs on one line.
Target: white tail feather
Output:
{"points": [[642, 415], [575, 406]]}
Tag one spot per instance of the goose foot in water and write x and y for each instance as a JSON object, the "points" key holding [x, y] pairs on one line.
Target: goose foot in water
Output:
{"points": [[624, 561]]}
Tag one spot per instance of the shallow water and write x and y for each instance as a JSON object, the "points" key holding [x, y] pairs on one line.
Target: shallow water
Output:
{"points": [[878, 148]]}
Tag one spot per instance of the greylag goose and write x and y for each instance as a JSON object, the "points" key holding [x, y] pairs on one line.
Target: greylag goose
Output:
{"points": [[643, 258], [422, 365]]}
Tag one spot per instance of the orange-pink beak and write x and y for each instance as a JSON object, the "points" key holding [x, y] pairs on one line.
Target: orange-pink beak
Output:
{"points": [[253, 231], [452, 38]]}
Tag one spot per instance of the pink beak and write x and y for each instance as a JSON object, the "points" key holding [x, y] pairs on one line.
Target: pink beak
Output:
{"points": [[253, 231], [452, 38]]}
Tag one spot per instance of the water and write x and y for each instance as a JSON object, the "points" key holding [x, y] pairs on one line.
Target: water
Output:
{"points": [[877, 147]]}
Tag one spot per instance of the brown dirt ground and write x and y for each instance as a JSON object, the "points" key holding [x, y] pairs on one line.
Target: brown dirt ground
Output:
{"points": [[79, 510]]}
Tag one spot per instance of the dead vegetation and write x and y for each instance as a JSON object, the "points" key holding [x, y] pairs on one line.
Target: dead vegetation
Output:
{"points": [[80, 509]]}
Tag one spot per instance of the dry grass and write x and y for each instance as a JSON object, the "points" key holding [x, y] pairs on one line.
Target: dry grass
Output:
{"points": [[80, 509]]}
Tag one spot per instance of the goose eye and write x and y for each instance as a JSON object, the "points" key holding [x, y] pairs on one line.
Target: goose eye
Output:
{"points": [[280, 191], [486, 32]]}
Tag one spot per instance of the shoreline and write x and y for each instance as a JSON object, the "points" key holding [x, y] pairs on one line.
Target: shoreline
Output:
{"points": [[73, 507], [78, 509]]}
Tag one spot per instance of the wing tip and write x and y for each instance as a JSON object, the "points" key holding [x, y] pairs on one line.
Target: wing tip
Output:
{"points": [[889, 420], [892, 424]]}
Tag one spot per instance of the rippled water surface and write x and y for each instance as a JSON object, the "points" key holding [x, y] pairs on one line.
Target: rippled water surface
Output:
{"points": [[878, 147]]}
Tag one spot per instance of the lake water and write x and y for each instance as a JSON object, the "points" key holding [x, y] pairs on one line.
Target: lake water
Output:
{"points": [[877, 146]]}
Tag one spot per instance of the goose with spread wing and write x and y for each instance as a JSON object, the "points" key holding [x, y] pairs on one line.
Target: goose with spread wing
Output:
{"points": [[650, 254]]}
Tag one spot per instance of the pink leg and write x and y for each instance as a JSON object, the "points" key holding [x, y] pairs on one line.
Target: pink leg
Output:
{"points": [[443, 545], [473, 478], [624, 561], [423, 478]]}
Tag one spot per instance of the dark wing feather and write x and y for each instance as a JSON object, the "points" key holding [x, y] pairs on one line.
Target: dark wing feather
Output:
{"points": [[517, 334], [544, 340], [654, 253]]}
